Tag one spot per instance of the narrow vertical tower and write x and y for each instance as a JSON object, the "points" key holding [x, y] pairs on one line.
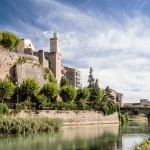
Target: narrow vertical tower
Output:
{"points": [[55, 57]]}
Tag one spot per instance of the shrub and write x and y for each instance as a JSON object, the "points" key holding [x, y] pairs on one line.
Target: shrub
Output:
{"points": [[21, 60], [18, 108], [64, 81], [82, 93], [9, 40], [3, 109], [49, 75], [104, 108], [82, 104], [28, 125], [40, 101]]}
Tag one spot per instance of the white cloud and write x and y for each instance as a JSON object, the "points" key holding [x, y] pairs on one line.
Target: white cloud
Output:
{"points": [[118, 49]]}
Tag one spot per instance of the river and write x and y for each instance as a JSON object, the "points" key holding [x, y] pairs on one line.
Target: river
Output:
{"points": [[84, 137]]}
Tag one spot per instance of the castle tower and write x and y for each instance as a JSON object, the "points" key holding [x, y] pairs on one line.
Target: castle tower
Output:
{"points": [[55, 57]]}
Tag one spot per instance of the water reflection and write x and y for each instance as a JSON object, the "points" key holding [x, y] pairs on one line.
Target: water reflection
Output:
{"points": [[89, 137]]}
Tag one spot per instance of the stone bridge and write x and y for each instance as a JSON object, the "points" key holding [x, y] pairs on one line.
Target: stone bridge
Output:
{"points": [[144, 110]]}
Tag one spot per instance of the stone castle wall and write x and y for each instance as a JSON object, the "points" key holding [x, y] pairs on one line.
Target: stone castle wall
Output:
{"points": [[8, 61], [30, 70], [20, 66], [41, 55]]}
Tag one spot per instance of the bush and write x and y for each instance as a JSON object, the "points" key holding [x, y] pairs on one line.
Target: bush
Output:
{"points": [[9, 40], [104, 108], [26, 105], [28, 125], [112, 107], [64, 82], [3, 109], [18, 108], [40, 101], [82, 104]]}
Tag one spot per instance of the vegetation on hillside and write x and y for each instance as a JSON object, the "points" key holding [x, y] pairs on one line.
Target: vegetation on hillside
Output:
{"points": [[9, 40], [50, 96]]}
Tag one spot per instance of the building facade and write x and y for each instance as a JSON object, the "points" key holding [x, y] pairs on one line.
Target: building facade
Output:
{"points": [[118, 97], [52, 60], [25, 47], [73, 76]]}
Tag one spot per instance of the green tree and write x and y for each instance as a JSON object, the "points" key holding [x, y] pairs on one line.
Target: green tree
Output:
{"points": [[82, 104], [104, 108], [95, 95], [107, 94], [81, 98], [90, 80], [50, 90], [82, 93], [7, 89], [1, 36], [9, 41], [64, 81], [68, 93], [101, 94], [40, 101], [29, 88], [107, 104], [3, 109], [112, 107]]}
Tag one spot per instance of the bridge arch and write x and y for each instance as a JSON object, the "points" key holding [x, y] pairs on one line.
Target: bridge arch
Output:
{"points": [[143, 110]]}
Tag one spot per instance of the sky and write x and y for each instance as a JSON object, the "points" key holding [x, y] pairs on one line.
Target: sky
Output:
{"points": [[111, 36]]}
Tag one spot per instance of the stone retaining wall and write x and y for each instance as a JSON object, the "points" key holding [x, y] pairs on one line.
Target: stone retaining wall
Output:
{"points": [[76, 117]]}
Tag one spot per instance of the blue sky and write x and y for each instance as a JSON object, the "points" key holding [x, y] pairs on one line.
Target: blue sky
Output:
{"points": [[112, 36]]}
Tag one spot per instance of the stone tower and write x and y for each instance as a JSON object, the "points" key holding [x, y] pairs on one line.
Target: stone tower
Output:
{"points": [[55, 57]]}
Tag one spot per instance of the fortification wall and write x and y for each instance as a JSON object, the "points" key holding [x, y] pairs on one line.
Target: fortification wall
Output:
{"points": [[30, 70], [8, 61], [20, 66], [41, 55]]}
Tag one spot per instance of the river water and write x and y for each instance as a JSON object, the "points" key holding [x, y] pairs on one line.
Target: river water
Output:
{"points": [[84, 137]]}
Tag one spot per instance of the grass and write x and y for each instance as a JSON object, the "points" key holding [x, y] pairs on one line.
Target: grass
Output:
{"points": [[137, 119], [28, 125], [145, 145]]}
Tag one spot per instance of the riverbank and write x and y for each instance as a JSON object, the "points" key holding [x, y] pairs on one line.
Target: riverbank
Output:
{"points": [[140, 117], [145, 145], [73, 117], [13, 125]]}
